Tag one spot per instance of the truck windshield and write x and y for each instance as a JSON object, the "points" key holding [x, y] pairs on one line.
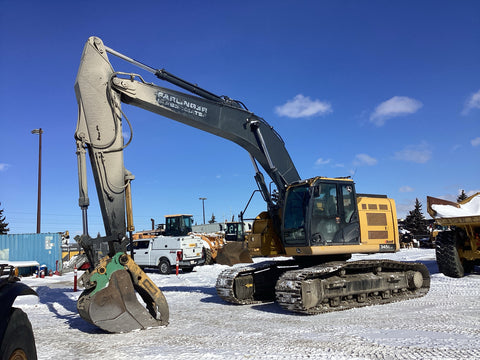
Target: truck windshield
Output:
{"points": [[296, 204]]}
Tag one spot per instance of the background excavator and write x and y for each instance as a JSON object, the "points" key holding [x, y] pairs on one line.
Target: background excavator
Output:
{"points": [[317, 222]]}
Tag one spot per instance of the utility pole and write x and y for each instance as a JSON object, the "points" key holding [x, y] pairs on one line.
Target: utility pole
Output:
{"points": [[39, 195], [203, 206]]}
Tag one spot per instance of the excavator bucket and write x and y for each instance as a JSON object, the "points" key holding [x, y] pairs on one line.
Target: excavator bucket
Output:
{"points": [[235, 252], [111, 301]]}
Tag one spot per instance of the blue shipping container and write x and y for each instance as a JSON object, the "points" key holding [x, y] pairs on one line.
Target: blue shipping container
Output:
{"points": [[43, 248]]}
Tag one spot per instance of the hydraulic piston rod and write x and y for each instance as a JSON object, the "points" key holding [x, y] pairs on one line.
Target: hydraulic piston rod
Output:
{"points": [[165, 75]]}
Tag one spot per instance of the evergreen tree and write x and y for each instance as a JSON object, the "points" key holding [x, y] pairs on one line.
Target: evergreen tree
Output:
{"points": [[415, 221], [462, 196], [3, 225], [212, 220]]}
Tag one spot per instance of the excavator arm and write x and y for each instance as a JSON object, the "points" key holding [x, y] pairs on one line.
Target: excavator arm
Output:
{"points": [[108, 301]]}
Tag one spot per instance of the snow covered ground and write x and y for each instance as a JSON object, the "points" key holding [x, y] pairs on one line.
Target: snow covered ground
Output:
{"points": [[445, 324]]}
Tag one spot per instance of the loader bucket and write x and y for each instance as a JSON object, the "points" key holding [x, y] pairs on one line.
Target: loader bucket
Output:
{"points": [[235, 252]]}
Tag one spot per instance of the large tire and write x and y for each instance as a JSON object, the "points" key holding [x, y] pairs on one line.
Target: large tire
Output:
{"points": [[448, 260], [18, 340], [164, 267], [207, 253]]}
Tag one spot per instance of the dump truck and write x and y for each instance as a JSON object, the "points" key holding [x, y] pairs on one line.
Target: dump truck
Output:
{"points": [[457, 249]]}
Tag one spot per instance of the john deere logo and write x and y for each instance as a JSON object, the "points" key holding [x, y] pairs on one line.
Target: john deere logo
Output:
{"points": [[299, 251]]}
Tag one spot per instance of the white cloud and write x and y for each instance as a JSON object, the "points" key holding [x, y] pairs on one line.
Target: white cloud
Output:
{"points": [[302, 106], [364, 159], [4, 166], [415, 153], [396, 106], [406, 189], [456, 147], [321, 161], [473, 102], [475, 142]]}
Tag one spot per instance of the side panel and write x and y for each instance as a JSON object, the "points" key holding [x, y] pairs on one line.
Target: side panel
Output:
{"points": [[168, 246], [378, 223], [192, 248]]}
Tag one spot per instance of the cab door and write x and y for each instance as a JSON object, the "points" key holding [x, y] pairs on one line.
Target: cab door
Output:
{"points": [[334, 219], [349, 221]]}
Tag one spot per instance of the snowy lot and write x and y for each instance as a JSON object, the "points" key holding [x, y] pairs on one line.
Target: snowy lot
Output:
{"points": [[445, 324]]}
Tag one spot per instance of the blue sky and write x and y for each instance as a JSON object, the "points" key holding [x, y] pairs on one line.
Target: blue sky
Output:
{"points": [[385, 91]]}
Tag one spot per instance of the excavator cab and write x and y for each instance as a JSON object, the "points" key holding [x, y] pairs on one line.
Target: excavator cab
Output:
{"points": [[321, 212]]}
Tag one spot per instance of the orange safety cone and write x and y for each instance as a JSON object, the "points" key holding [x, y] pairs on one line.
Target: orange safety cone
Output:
{"points": [[179, 254]]}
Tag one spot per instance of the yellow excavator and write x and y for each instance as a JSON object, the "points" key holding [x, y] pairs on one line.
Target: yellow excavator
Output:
{"points": [[318, 223]]}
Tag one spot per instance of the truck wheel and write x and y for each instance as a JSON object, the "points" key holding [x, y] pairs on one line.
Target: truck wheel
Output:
{"points": [[207, 254], [448, 260], [164, 267], [18, 340]]}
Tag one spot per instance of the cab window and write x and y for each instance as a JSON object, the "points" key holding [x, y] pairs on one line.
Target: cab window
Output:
{"points": [[348, 202], [140, 245]]}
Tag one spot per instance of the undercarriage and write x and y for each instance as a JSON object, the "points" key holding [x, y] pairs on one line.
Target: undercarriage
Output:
{"points": [[331, 286]]}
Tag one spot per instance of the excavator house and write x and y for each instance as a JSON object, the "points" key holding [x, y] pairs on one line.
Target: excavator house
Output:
{"points": [[315, 224]]}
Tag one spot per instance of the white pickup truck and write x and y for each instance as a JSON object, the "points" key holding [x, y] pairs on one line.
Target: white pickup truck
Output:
{"points": [[162, 251]]}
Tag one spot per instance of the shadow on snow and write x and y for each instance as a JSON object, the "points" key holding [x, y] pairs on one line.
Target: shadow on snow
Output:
{"points": [[51, 297]]}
